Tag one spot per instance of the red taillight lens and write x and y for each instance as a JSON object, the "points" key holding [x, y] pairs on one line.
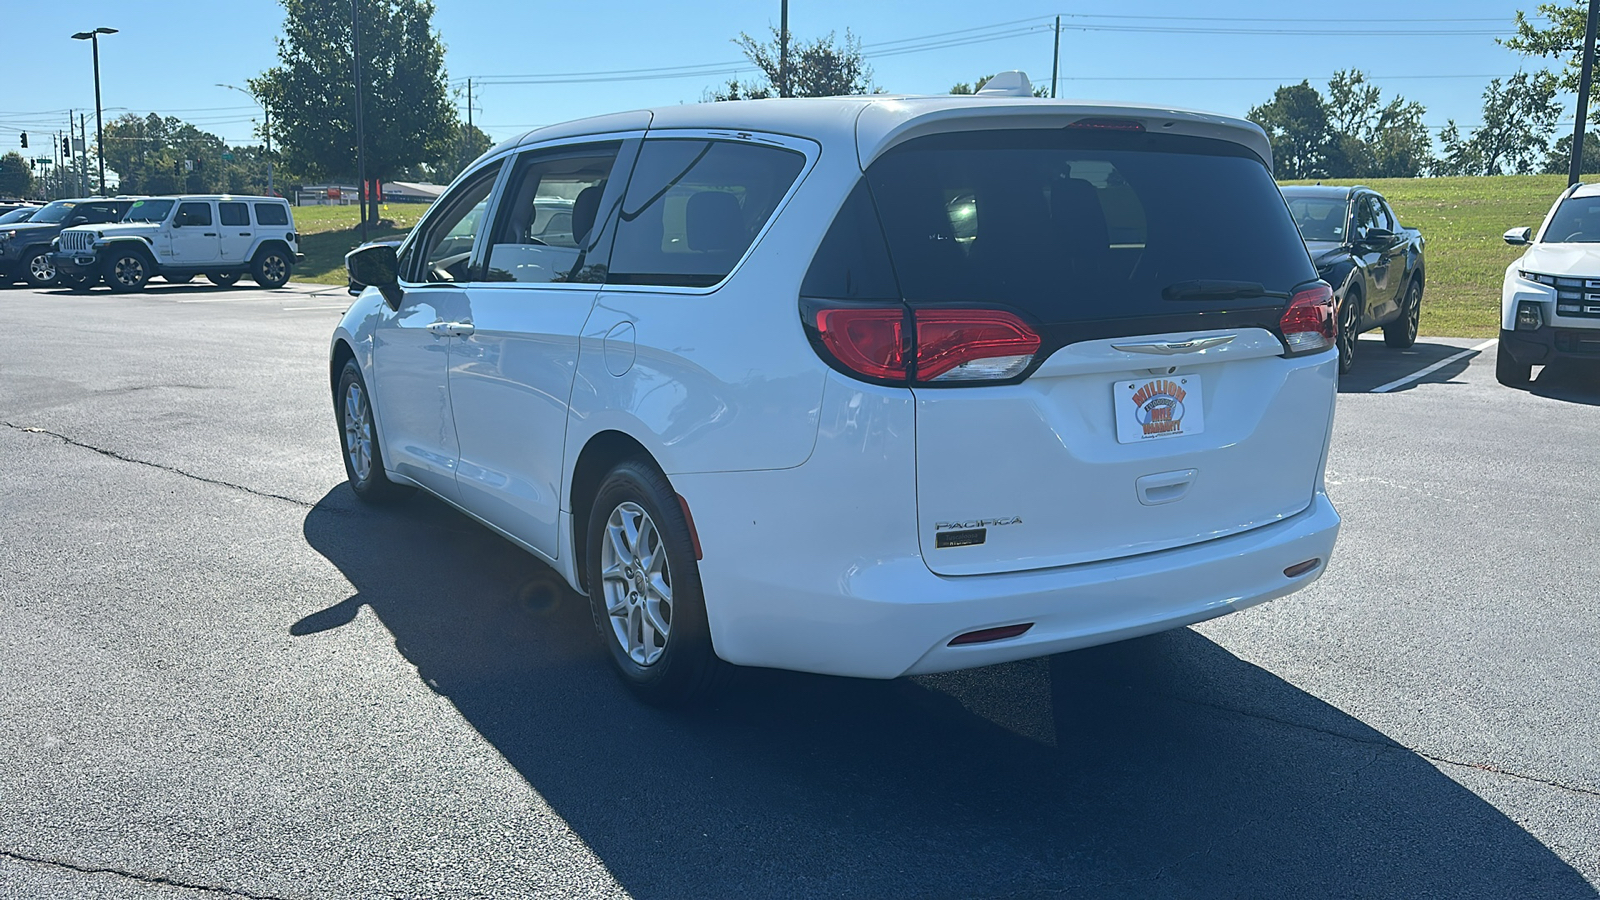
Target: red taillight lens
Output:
{"points": [[972, 345], [1309, 324], [868, 340]]}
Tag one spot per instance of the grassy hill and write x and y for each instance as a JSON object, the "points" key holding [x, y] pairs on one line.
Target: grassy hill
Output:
{"points": [[1462, 219]]}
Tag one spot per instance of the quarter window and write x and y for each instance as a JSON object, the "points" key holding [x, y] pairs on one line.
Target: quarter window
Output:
{"points": [[233, 214], [694, 207], [271, 214], [549, 225]]}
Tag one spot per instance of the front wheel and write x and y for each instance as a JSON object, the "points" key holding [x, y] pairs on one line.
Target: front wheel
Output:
{"points": [[644, 589], [127, 271], [1508, 371], [37, 269], [271, 269], [223, 279], [1402, 332], [358, 438]]}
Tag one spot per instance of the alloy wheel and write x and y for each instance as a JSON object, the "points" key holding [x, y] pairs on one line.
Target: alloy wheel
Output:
{"points": [[275, 268], [358, 431], [636, 583], [129, 271], [41, 269], [1413, 312], [1347, 331]]}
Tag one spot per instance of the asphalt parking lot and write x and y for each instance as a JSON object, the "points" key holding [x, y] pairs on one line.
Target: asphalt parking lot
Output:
{"points": [[223, 676]]}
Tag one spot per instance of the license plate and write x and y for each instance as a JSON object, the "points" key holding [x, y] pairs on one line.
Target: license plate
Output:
{"points": [[1149, 409]]}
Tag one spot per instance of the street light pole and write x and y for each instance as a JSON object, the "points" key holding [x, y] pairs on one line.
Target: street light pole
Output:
{"points": [[266, 114], [361, 143], [1575, 170], [93, 37]]}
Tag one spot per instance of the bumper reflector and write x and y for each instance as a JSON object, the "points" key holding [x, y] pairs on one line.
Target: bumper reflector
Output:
{"points": [[1298, 569], [989, 634]]}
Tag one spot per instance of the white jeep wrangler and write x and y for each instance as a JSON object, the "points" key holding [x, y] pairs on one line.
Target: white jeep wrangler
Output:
{"points": [[177, 238]]}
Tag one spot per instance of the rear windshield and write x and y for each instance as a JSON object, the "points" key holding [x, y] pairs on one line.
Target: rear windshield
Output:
{"points": [[1072, 225], [1319, 218]]}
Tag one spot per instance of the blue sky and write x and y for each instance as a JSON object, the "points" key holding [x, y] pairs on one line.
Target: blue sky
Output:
{"points": [[169, 54]]}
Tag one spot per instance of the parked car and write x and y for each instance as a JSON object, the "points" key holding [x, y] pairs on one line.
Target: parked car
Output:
{"points": [[177, 238], [25, 248], [1550, 299], [770, 404], [1374, 264], [18, 214]]}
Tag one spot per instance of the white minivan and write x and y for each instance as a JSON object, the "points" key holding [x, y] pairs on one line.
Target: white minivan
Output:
{"points": [[868, 386]]}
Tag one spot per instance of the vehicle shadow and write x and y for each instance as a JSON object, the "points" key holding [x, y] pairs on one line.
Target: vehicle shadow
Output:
{"points": [[1166, 766], [1377, 364], [1572, 381]]}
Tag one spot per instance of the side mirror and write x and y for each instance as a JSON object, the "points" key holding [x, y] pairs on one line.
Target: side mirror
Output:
{"points": [[178, 222], [1519, 237], [375, 265], [77, 220], [1378, 237]]}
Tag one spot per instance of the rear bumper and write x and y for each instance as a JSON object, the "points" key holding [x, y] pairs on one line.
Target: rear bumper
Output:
{"points": [[878, 612], [1541, 346]]}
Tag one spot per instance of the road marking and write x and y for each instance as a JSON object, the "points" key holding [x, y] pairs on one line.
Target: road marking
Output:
{"points": [[220, 299], [340, 306], [1423, 373]]}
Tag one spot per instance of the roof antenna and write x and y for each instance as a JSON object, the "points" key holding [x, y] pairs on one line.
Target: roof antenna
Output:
{"points": [[1007, 84]]}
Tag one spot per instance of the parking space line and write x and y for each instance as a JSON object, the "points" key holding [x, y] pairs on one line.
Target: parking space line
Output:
{"points": [[295, 308], [1423, 373], [218, 299]]}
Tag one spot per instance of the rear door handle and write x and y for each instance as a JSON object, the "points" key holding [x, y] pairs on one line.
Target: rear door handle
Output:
{"points": [[451, 329]]}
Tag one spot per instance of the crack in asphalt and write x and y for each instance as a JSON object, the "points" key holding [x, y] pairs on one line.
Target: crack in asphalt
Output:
{"points": [[136, 876], [28, 429], [1390, 744]]}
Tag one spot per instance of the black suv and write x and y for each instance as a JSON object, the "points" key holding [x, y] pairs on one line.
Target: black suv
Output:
{"points": [[25, 247]]}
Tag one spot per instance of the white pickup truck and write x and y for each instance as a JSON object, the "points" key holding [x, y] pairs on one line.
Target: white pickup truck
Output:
{"points": [[177, 238]]}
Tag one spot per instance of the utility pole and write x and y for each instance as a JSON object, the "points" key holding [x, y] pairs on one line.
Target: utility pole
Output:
{"points": [[468, 136], [72, 159], [783, 52], [83, 131], [266, 133], [361, 143], [1584, 78], [1055, 62]]}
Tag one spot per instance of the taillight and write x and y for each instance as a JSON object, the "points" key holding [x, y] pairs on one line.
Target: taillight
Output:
{"points": [[1309, 324], [972, 345], [945, 346], [868, 340]]}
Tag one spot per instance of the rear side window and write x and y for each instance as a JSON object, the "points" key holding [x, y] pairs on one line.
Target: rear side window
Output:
{"points": [[235, 214], [1073, 226], [853, 261], [694, 207], [271, 214]]}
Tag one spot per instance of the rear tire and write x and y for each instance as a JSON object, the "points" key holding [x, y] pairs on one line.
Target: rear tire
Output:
{"points": [[271, 268], [358, 441], [1402, 332], [127, 271], [1509, 372], [1349, 316], [223, 279], [644, 589]]}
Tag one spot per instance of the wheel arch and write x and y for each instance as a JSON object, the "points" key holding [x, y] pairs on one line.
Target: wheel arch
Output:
{"points": [[342, 353], [269, 243], [600, 454]]}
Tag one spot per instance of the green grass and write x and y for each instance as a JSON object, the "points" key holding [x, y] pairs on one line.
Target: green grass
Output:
{"points": [[327, 233], [1462, 220]]}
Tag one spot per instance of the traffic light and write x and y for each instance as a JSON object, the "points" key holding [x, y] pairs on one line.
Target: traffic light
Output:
{"points": [[24, 140]]}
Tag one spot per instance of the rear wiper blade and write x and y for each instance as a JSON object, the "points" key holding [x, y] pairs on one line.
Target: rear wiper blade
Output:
{"points": [[1211, 289]]}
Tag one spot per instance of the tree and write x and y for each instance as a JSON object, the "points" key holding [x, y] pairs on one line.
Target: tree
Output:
{"points": [[16, 176], [1376, 139], [961, 87], [408, 116], [1562, 39], [1519, 116], [1304, 144], [1559, 161], [166, 155], [819, 68]]}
